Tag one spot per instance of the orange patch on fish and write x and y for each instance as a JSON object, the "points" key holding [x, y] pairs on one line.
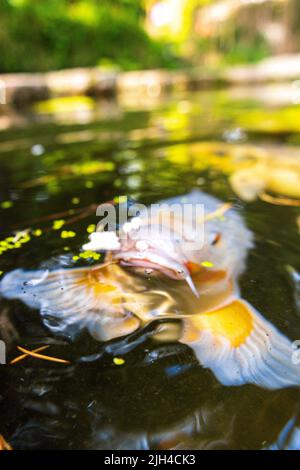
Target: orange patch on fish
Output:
{"points": [[99, 283], [193, 267], [206, 275], [233, 322]]}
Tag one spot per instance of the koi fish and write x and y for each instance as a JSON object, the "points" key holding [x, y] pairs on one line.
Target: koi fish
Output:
{"points": [[226, 333], [275, 174]]}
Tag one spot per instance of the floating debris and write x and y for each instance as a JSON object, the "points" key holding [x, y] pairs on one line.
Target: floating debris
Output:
{"points": [[68, 234], [16, 241], [91, 228], [58, 224], [23, 356], [102, 241], [37, 233], [6, 204], [88, 254], [41, 356], [118, 361]]}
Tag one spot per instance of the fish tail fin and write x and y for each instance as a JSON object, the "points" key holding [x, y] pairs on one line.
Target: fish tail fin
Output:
{"points": [[71, 300], [241, 347]]}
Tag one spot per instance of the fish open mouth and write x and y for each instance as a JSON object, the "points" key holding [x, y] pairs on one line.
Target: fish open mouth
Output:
{"points": [[165, 265]]}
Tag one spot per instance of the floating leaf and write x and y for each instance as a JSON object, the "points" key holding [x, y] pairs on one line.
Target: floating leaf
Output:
{"points": [[6, 204], [58, 224], [118, 361], [37, 233], [67, 234], [91, 228]]}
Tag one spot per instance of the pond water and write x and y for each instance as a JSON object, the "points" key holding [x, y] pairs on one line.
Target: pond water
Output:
{"points": [[60, 159]]}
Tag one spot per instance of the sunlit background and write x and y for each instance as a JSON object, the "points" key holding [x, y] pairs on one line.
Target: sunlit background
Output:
{"points": [[38, 35]]}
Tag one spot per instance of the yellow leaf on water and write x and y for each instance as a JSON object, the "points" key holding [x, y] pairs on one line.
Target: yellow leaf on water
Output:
{"points": [[6, 204], [118, 361], [67, 234], [57, 224], [91, 228], [37, 233]]}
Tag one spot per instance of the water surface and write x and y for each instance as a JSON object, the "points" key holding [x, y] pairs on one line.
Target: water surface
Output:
{"points": [[57, 161]]}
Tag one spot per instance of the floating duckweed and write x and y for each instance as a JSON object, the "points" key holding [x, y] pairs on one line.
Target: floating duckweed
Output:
{"points": [[207, 264], [90, 254], [57, 224], [91, 228], [66, 248], [1, 272], [120, 199], [67, 234], [89, 184], [118, 361], [6, 204], [37, 233], [87, 255], [11, 243], [75, 200]]}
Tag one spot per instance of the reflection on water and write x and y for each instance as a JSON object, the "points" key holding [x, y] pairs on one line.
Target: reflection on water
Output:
{"points": [[56, 164]]}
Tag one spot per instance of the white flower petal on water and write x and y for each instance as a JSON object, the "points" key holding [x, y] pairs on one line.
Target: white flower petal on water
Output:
{"points": [[102, 241]]}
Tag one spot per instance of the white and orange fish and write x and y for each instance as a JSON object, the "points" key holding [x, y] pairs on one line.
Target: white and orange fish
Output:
{"points": [[225, 332]]}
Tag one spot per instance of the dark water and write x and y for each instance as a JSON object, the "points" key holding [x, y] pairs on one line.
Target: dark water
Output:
{"points": [[147, 149]]}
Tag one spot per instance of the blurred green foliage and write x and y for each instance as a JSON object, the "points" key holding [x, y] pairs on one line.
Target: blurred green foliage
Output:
{"points": [[41, 35]]}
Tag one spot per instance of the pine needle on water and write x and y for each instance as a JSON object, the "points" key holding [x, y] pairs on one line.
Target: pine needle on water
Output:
{"points": [[41, 356], [20, 358]]}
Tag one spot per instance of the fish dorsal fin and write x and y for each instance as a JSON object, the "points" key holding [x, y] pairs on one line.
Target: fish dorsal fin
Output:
{"points": [[241, 347]]}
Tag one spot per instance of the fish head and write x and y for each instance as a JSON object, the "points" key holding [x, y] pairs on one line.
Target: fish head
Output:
{"points": [[162, 254]]}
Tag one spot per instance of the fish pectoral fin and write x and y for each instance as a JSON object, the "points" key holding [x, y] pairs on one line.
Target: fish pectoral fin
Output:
{"points": [[240, 347], [71, 300]]}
